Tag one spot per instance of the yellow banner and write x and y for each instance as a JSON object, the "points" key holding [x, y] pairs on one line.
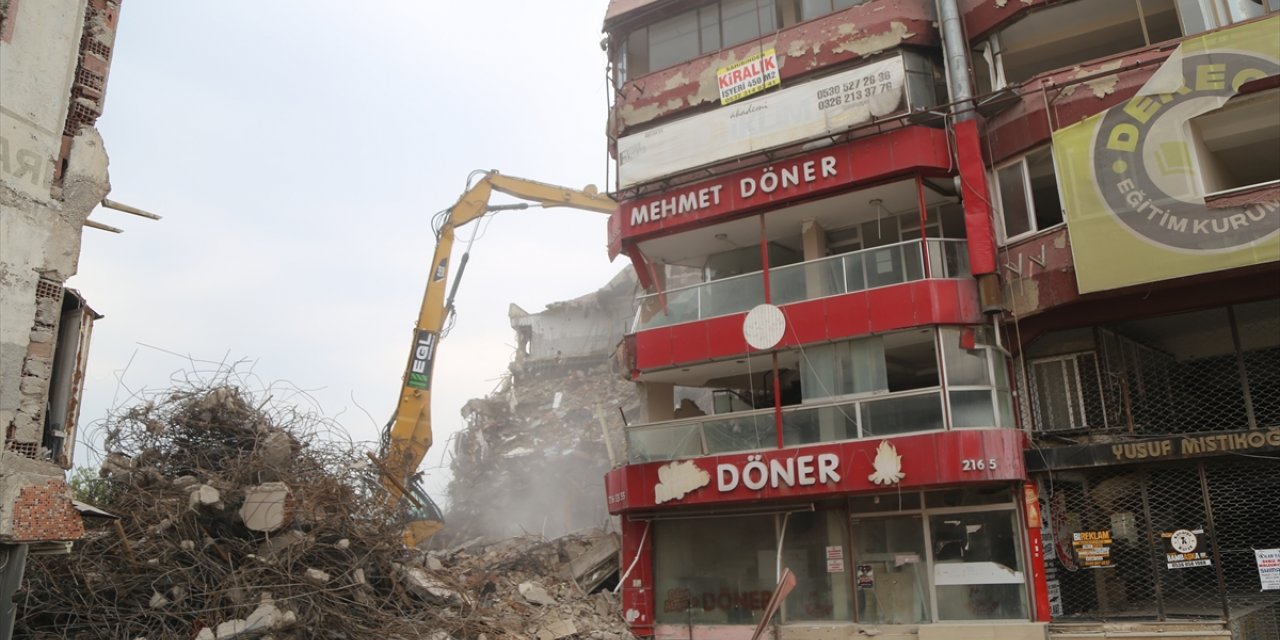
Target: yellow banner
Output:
{"points": [[1134, 177]]}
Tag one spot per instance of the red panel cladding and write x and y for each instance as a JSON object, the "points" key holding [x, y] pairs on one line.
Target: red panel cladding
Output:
{"points": [[830, 170], [977, 202], [894, 308], [806, 322], [847, 316], [653, 349], [724, 335], [689, 341], [833, 469], [919, 303], [803, 50], [637, 584]]}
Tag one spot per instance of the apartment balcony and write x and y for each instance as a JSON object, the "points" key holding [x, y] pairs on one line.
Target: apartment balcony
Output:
{"points": [[879, 289], [836, 275]]}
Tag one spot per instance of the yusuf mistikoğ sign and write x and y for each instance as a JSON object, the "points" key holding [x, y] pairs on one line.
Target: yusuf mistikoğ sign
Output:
{"points": [[1132, 178]]}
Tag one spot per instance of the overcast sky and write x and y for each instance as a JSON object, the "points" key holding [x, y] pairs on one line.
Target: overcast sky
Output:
{"points": [[297, 151]]}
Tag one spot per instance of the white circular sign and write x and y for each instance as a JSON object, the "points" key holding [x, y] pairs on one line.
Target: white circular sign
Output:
{"points": [[764, 327]]}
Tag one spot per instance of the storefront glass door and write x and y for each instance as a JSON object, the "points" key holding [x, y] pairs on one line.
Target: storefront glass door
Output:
{"points": [[890, 580]]}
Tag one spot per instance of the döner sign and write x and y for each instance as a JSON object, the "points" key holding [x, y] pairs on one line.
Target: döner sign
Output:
{"points": [[755, 474], [767, 181]]}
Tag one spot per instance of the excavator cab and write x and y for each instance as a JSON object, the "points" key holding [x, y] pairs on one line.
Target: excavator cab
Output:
{"points": [[422, 516]]}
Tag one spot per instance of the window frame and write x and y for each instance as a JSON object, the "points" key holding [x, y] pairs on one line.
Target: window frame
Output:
{"points": [[623, 63], [1025, 173]]}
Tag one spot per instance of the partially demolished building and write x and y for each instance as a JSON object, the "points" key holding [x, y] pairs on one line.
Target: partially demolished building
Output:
{"points": [[533, 455], [988, 315], [54, 61]]}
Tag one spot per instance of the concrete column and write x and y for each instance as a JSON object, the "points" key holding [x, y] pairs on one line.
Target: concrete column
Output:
{"points": [[659, 400], [814, 239]]}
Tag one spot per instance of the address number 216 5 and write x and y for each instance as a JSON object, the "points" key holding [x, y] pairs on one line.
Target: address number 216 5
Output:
{"points": [[977, 464]]}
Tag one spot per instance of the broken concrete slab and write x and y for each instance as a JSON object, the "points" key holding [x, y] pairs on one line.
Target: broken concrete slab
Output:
{"points": [[535, 593], [267, 507], [556, 629], [204, 496]]}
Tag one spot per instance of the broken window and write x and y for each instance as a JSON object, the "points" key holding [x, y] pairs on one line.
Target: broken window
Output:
{"points": [[1071, 33], [1027, 194], [66, 381], [694, 33], [1236, 146], [1202, 15]]}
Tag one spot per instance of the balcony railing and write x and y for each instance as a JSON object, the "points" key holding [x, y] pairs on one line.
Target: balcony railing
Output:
{"points": [[871, 417], [839, 274]]}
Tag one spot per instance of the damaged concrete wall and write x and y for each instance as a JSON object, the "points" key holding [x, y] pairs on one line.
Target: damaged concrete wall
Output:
{"points": [[533, 455], [584, 327], [54, 56]]}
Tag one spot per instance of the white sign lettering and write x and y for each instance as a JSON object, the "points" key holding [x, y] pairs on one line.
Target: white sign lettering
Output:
{"points": [[756, 474]]}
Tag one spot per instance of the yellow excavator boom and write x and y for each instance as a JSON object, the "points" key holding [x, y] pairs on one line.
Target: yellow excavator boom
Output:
{"points": [[408, 435]]}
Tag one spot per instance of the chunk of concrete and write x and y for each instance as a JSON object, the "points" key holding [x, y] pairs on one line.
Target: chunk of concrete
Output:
{"points": [[267, 507], [158, 600], [556, 629], [316, 576], [204, 496], [533, 592], [422, 584]]}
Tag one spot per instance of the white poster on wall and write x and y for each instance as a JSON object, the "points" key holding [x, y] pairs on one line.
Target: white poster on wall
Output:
{"points": [[1268, 568], [826, 105]]}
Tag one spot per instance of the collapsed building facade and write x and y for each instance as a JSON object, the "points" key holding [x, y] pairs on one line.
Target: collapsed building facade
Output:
{"points": [[533, 455], [987, 314], [54, 60]]}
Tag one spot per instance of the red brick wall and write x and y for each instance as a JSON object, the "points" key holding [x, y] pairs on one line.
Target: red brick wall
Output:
{"points": [[44, 512]]}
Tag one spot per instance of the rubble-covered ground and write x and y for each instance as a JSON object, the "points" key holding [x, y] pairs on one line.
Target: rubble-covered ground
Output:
{"points": [[241, 520]]}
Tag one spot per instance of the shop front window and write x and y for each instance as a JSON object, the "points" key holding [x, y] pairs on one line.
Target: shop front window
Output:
{"points": [[977, 566], [813, 548], [890, 577], [703, 578], [959, 558]]}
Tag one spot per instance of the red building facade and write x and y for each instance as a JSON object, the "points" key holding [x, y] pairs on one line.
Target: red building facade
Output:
{"points": [[831, 343]]}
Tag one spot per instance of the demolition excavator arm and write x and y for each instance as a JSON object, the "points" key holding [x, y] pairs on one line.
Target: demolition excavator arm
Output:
{"points": [[407, 437]]}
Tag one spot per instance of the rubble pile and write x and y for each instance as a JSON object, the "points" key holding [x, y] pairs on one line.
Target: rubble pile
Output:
{"points": [[238, 519], [533, 455]]}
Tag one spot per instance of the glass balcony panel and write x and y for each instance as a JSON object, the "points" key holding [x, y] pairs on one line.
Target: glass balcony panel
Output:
{"points": [[681, 306], [972, 409], [902, 414], [741, 433], [731, 295], [809, 425], [844, 273], [855, 271], [912, 262], [807, 280], [663, 442], [884, 266]]}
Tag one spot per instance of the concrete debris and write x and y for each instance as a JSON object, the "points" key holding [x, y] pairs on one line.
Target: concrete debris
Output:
{"points": [[267, 507], [556, 629], [315, 576], [204, 495], [534, 593], [221, 555], [558, 414]]}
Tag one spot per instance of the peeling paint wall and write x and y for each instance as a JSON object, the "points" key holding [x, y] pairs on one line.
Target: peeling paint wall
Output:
{"points": [[803, 49], [54, 57]]}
